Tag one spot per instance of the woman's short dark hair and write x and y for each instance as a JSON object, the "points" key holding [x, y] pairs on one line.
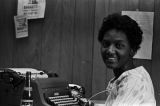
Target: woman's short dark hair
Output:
{"points": [[125, 24]]}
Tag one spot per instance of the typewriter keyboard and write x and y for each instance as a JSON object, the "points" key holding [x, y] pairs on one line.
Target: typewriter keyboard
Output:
{"points": [[64, 100]]}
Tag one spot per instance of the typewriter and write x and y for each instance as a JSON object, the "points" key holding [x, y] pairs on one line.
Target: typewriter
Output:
{"points": [[57, 92]]}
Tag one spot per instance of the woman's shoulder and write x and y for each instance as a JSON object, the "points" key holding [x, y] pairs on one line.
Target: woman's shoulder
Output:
{"points": [[136, 75], [138, 72]]}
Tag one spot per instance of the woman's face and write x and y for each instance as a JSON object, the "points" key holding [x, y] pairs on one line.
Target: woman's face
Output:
{"points": [[115, 49]]}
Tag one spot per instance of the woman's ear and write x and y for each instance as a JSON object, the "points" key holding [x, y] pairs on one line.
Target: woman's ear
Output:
{"points": [[132, 52]]}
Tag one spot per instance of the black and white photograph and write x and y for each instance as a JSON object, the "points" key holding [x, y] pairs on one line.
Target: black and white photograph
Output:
{"points": [[79, 53]]}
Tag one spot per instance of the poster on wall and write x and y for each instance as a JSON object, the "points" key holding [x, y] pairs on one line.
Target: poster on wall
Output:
{"points": [[145, 21], [33, 9], [21, 26]]}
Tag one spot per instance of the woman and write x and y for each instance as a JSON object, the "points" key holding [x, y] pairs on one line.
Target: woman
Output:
{"points": [[120, 38]]}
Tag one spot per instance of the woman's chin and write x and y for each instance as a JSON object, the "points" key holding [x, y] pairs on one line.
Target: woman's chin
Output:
{"points": [[111, 65]]}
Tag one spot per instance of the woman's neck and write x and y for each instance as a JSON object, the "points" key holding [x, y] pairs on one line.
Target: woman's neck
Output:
{"points": [[126, 67]]}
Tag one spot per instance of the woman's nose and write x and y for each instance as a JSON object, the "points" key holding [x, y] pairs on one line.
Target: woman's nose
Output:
{"points": [[111, 49]]}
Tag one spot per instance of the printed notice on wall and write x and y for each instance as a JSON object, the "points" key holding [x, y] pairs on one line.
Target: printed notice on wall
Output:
{"points": [[31, 8], [21, 26], [145, 21]]}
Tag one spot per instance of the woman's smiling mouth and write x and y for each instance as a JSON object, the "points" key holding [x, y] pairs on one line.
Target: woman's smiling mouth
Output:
{"points": [[111, 59]]}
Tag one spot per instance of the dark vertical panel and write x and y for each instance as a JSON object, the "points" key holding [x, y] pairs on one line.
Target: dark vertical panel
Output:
{"points": [[118, 5], [156, 52], [99, 80], [157, 5], [51, 36], [7, 11], [27, 52], [67, 36], [156, 58], [133, 5], [124, 5], [83, 44], [146, 5]]}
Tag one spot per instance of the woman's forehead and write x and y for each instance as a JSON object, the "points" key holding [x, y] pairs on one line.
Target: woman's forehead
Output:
{"points": [[115, 35]]}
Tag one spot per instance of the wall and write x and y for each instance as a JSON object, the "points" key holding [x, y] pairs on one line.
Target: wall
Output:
{"points": [[60, 43], [65, 41]]}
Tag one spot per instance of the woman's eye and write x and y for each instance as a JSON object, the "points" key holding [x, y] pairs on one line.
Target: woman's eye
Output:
{"points": [[119, 46], [105, 44]]}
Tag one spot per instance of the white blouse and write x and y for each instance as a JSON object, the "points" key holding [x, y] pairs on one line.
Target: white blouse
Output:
{"points": [[132, 88]]}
